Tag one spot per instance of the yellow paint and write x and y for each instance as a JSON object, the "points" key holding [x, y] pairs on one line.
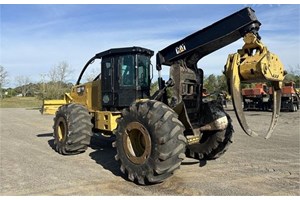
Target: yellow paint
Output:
{"points": [[259, 66], [50, 106], [262, 65], [88, 94], [106, 120]]}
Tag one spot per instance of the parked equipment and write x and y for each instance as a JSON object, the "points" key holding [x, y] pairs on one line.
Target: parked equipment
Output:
{"points": [[257, 98], [155, 133], [290, 99], [260, 97]]}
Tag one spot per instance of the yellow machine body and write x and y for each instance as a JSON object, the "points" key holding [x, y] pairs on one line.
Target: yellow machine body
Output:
{"points": [[50, 106], [106, 120], [88, 95]]}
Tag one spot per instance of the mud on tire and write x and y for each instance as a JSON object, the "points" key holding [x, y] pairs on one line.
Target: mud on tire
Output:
{"points": [[72, 129], [149, 141]]}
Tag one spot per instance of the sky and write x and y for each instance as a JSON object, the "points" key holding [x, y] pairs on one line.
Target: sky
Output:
{"points": [[35, 38]]}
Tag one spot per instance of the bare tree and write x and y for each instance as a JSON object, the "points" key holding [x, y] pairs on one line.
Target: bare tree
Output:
{"points": [[91, 75], [24, 83], [60, 72], [57, 86], [294, 70], [3, 79]]}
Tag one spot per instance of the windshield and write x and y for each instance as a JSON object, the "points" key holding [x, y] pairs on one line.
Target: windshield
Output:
{"points": [[128, 71], [126, 64]]}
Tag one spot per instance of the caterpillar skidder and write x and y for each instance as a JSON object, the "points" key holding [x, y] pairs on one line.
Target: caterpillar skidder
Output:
{"points": [[153, 134]]}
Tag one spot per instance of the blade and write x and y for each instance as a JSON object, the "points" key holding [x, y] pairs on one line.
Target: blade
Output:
{"points": [[276, 112], [235, 84]]}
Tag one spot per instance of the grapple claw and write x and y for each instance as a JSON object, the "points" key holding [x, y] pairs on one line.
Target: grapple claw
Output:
{"points": [[276, 111], [247, 66], [234, 81]]}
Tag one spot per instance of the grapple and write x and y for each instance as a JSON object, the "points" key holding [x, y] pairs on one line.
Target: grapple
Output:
{"points": [[254, 63]]}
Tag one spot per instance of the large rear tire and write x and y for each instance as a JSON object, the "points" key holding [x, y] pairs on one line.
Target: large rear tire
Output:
{"points": [[72, 129], [213, 144], [149, 141]]}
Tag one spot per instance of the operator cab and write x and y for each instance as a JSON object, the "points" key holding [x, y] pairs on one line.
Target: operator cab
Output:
{"points": [[124, 77]]}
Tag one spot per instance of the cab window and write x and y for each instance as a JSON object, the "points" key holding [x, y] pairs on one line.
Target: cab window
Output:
{"points": [[127, 72], [143, 70]]}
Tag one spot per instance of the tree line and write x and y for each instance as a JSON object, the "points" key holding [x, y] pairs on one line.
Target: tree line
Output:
{"points": [[55, 83], [52, 85]]}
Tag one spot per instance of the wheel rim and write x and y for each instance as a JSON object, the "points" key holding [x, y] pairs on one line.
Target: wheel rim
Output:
{"points": [[61, 129], [137, 143]]}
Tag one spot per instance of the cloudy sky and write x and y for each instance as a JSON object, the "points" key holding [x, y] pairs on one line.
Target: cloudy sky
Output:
{"points": [[34, 38]]}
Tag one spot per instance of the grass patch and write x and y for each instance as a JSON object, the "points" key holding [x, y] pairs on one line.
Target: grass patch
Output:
{"points": [[21, 102]]}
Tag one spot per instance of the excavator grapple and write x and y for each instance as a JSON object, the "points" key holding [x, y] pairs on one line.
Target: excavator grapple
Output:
{"points": [[154, 133]]}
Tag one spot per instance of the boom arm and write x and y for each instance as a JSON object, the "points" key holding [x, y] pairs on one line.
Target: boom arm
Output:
{"points": [[252, 63], [205, 41]]}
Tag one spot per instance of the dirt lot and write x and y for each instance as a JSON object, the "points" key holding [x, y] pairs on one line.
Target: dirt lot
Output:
{"points": [[251, 166]]}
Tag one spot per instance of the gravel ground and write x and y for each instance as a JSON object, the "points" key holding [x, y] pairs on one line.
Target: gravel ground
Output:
{"points": [[251, 166]]}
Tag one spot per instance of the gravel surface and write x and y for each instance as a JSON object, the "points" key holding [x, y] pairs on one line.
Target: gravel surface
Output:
{"points": [[251, 166]]}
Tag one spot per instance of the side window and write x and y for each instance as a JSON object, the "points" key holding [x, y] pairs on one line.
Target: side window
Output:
{"points": [[106, 74], [127, 72], [107, 65], [143, 70]]}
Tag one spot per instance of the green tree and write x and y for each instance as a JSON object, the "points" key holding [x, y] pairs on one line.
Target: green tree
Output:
{"points": [[222, 83], [10, 92], [293, 74], [210, 83]]}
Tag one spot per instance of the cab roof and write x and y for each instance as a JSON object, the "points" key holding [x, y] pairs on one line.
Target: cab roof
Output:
{"points": [[125, 50]]}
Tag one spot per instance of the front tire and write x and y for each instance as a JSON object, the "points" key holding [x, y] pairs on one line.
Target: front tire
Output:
{"points": [[149, 141], [72, 129]]}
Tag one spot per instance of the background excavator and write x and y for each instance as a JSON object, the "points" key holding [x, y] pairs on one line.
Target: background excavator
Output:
{"points": [[154, 133]]}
